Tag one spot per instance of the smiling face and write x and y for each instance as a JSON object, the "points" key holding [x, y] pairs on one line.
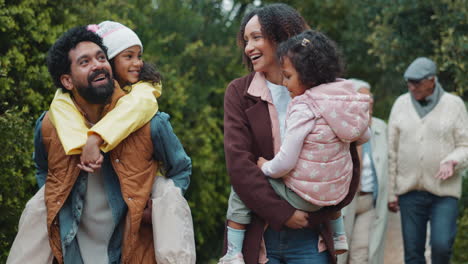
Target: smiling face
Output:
{"points": [[422, 88], [90, 73], [127, 66], [291, 78], [260, 50]]}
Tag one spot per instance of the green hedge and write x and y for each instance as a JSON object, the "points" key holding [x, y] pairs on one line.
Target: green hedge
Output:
{"points": [[17, 182], [461, 241]]}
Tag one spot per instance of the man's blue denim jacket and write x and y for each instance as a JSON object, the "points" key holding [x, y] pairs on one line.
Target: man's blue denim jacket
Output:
{"points": [[167, 149]]}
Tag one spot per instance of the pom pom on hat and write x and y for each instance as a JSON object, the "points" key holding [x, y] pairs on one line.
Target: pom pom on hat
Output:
{"points": [[116, 37], [93, 28]]}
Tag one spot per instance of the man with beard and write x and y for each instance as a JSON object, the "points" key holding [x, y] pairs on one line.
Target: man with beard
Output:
{"points": [[96, 217]]}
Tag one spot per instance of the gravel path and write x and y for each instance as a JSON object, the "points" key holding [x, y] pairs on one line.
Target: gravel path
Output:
{"points": [[394, 242]]}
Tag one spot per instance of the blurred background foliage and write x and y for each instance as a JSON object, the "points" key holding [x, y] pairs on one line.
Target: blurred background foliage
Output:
{"points": [[192, 42]]}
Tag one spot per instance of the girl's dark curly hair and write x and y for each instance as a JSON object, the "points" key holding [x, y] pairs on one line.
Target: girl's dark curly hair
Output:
{"points": [[315, 57], [148, 73], [58, 61], [279, 22]]}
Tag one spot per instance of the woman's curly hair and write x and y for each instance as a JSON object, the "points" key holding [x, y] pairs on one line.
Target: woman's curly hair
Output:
{"points": [[279, 22], [315, 57]]}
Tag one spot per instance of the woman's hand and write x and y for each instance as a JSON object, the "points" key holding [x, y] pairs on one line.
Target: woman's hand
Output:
{"points": [[260, 162], [299, 219]]}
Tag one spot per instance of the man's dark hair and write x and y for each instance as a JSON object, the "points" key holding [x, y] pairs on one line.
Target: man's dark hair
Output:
{"points": [[58, 60], [315, 57], [279, 22]]}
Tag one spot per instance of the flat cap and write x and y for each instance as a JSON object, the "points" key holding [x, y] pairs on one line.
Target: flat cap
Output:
{"points": [[420, 68]]}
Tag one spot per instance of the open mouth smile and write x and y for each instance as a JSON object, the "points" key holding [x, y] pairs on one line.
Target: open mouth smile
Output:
{"points": [[255, 57], [99, 77]]}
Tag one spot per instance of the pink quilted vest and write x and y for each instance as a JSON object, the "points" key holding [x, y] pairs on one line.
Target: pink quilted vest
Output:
{"points": [[323, 172]]}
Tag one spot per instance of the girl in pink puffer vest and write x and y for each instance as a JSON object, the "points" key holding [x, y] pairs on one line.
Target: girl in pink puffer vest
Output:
{"points": [[325, 115]]}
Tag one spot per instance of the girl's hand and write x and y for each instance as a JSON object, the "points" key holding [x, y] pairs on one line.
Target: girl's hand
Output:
{"points": [[260, 162], [91, 157], [91, 167]]}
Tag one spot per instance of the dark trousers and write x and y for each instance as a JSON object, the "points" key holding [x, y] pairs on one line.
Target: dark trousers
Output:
{"points": [[417, 209], [293, 246]]}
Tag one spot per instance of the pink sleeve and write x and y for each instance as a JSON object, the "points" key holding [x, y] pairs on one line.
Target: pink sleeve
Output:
{"points": [[299, 124], [364, 137]]}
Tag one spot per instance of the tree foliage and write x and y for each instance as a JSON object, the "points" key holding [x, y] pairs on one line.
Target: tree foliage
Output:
{"points": [[17, 181], [435, 29], [26, 31], [461, 241]]}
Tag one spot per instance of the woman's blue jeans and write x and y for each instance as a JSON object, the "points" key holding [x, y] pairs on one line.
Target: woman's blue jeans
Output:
{"points": [[419, 207], [293, 246]]}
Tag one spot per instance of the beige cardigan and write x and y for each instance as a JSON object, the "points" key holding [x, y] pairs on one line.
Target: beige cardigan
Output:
{"points": [[418, 146]]}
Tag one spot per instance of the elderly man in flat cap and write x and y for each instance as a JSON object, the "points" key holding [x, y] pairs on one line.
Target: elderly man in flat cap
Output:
{"points": [[428, 147]]}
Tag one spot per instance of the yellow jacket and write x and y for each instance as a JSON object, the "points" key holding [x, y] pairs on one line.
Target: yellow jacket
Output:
{"points": [[131, 112]]}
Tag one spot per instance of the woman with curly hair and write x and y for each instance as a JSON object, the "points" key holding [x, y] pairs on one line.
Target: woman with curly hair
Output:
{"points": [[255, 110]]}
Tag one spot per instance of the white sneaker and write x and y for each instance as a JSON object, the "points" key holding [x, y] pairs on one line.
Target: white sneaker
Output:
{"points": [[236, 259], [341, 244]]}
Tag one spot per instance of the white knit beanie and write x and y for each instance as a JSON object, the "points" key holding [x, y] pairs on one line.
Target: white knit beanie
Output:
{"points": [[116, 37]]}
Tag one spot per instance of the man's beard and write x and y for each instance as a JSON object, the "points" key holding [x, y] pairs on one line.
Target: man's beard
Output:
{"points": [[99, 94]]}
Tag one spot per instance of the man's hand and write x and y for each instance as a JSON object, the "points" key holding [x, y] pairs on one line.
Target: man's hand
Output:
{"points": [[393, 206], [91, 157], [260, 162], [146, 218], [299, 219], [446, 170]]}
